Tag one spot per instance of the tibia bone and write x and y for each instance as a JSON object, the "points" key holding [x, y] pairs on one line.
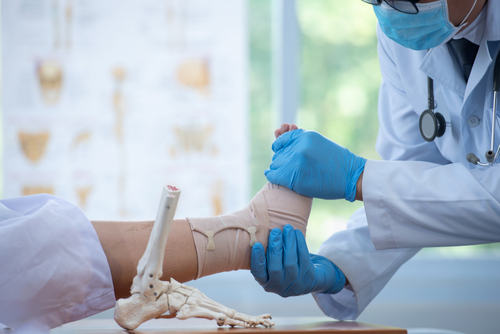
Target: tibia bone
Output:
{"points": [[150, 267]]}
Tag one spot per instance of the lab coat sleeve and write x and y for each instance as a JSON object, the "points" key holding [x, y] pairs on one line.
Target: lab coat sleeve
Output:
{"points": [[368, 270], [53, 269], [420, 204]]}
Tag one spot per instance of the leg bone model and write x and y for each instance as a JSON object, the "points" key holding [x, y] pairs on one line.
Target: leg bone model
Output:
{"points": [[150, 267], [151, 297]]}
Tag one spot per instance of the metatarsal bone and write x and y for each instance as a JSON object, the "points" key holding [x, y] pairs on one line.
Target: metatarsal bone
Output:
{"points": [[150, 267]]}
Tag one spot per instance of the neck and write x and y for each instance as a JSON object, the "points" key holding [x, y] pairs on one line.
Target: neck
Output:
{"points": [[458, 10]]}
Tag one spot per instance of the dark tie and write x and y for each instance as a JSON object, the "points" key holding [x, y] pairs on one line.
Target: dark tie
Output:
{"points": [[465, 52]]}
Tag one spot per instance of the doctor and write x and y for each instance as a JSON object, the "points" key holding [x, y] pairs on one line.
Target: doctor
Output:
{"points": [[424, 193]]}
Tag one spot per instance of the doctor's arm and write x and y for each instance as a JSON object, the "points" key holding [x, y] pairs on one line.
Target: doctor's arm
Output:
{"points": [[366, 270], [409, 204]]}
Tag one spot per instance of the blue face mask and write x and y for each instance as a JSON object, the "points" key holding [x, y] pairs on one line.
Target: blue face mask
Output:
{"points": [[427, 29]]}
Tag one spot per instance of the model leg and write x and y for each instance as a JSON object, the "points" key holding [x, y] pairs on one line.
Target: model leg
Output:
{"points": [[191, 252], [124, 243]]}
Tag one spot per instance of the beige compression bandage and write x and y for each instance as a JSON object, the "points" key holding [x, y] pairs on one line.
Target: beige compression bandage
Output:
{"points": [[223, 243]]}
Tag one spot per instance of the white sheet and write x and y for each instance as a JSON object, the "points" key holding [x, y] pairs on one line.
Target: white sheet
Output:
{"points": [[53, 269]]}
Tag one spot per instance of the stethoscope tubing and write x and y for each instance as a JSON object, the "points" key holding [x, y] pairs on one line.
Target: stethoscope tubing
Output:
{"points": [[491, 156], [495, 99]]}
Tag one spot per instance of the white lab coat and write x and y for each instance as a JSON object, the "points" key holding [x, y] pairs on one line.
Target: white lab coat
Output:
{"points": [[422, 194], [52, 267]]}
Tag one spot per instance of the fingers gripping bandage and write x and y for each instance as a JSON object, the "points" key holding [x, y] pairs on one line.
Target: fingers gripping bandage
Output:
{"points": [[224, 243]]}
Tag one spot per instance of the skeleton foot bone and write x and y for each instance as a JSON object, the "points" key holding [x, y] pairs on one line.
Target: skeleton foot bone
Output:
{"points": [[183, 302], [151, 298]]}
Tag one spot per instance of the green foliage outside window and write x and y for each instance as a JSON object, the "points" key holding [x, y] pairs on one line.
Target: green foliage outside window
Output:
{"points": [[339, 89], [339, 76]]}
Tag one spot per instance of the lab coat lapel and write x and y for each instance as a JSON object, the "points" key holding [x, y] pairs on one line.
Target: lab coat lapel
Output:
{"points": [[481, 64], [439, 65]]}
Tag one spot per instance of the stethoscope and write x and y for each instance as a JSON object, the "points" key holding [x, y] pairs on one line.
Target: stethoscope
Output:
{"points": [[433, 124]]}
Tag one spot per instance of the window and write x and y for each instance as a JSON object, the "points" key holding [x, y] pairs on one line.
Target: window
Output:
{"points": [[339, 76]]}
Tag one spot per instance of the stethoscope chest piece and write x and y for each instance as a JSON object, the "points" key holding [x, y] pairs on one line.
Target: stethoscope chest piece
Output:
{"points": [[431, 125]]}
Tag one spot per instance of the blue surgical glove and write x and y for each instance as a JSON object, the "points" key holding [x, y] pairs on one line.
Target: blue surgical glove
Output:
{"points": [[314, 166], [289, 269]]}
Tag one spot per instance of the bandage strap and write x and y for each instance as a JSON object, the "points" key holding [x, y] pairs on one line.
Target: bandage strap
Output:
{"points": [[224, 242]]}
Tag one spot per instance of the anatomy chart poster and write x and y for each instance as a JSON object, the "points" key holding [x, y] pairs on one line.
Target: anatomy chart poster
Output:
{"points": [[106, 101]]}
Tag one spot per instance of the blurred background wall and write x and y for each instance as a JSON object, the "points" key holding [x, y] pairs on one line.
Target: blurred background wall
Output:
{"points": [[106, 101], [450, 288]]}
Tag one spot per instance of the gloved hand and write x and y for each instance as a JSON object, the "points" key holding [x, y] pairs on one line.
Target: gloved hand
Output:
{"points": [[314, 166], [289, 269]]}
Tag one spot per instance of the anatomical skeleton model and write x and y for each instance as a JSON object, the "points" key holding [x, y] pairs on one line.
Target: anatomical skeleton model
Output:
{"points": [[151, 298]]}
